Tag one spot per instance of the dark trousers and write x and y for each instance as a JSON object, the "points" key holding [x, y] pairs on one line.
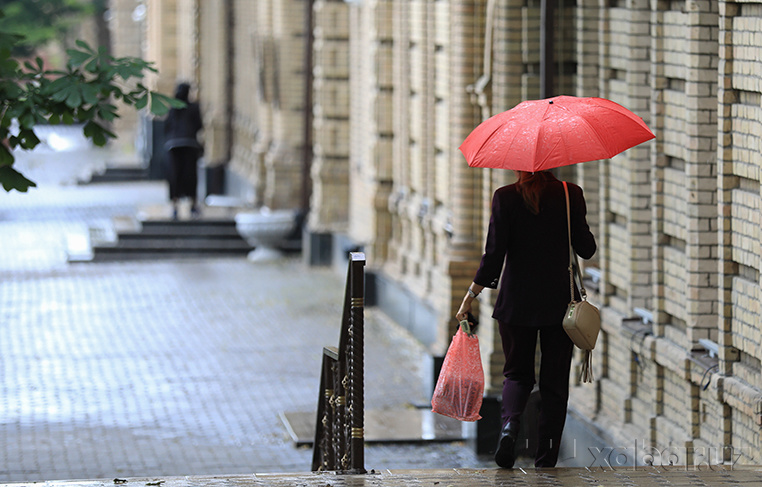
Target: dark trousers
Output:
{"points": [[183, 173], [519, 345]]}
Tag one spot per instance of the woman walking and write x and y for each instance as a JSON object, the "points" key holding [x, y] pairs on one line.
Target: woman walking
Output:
{"points": [[183, 150], [528, 235]]}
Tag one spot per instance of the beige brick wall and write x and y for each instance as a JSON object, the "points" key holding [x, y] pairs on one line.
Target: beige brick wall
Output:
{"points": [[329, 208], [677, 219], [126, 40], [213, 87], [162, 30], [268, 99], [370, 147], [739, 209], [702, 217]]}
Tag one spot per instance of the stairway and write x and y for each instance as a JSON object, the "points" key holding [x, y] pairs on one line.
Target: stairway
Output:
{"points": [[161, 239], [120, 175]]}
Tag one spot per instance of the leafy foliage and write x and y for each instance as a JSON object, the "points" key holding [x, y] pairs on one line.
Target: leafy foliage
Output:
{"points": [[84, 92], [41, 21]]}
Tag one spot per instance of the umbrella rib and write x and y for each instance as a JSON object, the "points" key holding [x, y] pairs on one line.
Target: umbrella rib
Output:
{"points": [[594, 131], [538, 138], [487, 139], [610, 151]]}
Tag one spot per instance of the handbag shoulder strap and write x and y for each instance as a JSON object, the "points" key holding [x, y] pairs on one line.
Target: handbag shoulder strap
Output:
{"points": [[572, 255]]}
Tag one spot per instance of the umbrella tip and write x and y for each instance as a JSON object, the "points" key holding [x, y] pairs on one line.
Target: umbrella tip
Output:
{"points": [[550, 102]]}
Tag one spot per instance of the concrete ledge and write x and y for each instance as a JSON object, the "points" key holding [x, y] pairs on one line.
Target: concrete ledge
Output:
{"points": [[633, 477]]}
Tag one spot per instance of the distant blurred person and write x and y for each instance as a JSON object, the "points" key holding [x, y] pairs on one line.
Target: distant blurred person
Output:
{"points": [[183, 150]]}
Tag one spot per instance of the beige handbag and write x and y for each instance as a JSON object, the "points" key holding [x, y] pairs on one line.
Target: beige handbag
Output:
{"points": [[582, 321]]}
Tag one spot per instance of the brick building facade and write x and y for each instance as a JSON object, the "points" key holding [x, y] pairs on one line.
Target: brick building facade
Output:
{"points": [[396, 85]]}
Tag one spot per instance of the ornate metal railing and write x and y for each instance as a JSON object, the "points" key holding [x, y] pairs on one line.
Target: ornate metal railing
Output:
{"points": [[339, 431]]}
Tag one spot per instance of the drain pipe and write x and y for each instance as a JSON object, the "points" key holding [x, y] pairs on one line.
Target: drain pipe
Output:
{"points": [[478, 88], [307, 151], [229, 54], [547, 71]]}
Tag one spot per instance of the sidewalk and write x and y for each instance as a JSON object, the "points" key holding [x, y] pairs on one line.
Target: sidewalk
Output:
{"points": [[174, 373], [172, 368]]}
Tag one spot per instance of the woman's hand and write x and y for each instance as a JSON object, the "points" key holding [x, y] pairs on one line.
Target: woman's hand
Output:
{"points": [[465, 306]]}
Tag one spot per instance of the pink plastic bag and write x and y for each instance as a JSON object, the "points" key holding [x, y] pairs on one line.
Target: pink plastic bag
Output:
{"points": [[460, 387]]}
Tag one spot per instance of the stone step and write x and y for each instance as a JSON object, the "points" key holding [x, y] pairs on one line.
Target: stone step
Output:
{"points": [[138, 242], [185, 229], [120, 175], [180, 224], [119, 254], [190, 235], [163, 238]]}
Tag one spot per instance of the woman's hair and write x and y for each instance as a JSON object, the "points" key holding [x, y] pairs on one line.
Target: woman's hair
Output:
{"points": [[182, 91], [530, 185]]}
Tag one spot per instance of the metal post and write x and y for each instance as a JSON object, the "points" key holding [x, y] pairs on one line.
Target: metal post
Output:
{"points": [[357, 358], [547, 64], [339, 431], [307, 152]]}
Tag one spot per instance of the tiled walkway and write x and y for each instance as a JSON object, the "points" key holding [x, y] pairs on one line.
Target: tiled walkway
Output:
{"points": [[174, 373], [176, 367]]}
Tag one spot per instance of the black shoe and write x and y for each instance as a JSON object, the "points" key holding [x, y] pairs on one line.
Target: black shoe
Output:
{"points": [[505, 454]]}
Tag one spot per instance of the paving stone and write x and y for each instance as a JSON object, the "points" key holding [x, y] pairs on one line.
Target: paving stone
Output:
{"points": [[174, 373], [172, 367]]}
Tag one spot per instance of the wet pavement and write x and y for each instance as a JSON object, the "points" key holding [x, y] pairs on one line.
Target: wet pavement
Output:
{"points": [[176, 373], [567, 477], [176, 367]]}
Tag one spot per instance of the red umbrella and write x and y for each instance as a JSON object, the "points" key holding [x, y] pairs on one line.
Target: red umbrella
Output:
{"points": [[537, 135]]}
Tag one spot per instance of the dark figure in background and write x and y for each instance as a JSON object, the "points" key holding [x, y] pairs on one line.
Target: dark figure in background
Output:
{"points": [[183, 150], [527, 233]]}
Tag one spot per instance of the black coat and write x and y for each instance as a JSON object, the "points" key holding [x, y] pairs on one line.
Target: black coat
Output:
{"points": [[182, 126], [534, 290]]}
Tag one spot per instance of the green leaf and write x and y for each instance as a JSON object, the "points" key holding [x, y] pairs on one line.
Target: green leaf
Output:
{"points": [[26, 120], [6, 158], [12, 179], [77, 58], [27, 139], [84, 46], [141, 102], [90, 93], [7, 64], [62, 91], [56, 85], [9, 90], [127, 71], [97, 133], [107, 112], [74, 97], [159, 105], [93, 65]]}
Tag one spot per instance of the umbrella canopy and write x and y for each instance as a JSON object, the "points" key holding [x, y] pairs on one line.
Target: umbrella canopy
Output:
{"points": [[543, 134]]}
